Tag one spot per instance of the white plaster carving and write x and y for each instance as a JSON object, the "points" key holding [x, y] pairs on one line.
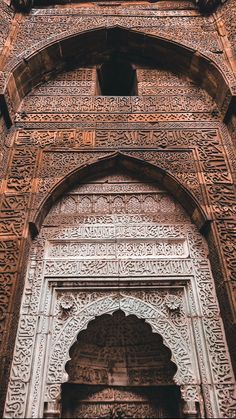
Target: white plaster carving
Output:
{"points": [[178, 302]]}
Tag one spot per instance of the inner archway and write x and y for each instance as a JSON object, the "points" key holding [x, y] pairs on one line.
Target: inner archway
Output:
{"points": [[119, 241], [119, 368]]}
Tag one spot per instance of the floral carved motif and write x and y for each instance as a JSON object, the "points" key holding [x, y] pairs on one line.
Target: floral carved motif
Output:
{"points": [[67, 255]]}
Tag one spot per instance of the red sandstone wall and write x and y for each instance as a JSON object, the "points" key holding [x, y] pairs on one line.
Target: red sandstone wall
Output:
{"points": [[61, 125]]}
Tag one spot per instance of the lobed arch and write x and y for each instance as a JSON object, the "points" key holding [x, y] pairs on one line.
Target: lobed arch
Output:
{"points": [[120, 160], [129, 306], [87, 47]]}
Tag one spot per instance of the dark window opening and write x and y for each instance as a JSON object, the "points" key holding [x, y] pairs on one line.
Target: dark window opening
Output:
{"points": [[116, 78]]}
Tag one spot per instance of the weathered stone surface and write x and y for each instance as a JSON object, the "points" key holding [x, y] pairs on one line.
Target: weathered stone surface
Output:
{"points": [[117, 242]]}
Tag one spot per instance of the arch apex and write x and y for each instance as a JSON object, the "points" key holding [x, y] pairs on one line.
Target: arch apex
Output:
{"points": [[137, 167], [82, 47]]}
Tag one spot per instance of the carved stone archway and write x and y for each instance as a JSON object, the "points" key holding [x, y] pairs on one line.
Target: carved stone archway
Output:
{"points": [[181, 354], [106, 233], [129, 305], [122, 161], [119, 365], [35, 65]]}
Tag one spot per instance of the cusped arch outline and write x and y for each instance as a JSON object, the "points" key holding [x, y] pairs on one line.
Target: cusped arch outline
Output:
{"points": [[180, 353], [84, 47], [135, 166]]}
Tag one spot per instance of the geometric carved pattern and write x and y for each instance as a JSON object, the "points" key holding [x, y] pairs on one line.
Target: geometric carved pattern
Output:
{"points": [[62, 125], [105, 246]]}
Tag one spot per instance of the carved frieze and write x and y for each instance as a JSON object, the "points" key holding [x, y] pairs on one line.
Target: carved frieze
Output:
{"points": [[117, 104], [104, 138], [111, 249], [121, 268], [78, 118]]}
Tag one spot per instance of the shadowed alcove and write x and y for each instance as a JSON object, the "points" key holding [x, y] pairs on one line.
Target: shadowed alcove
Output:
{"points": [[116, 77], [119, 368]]}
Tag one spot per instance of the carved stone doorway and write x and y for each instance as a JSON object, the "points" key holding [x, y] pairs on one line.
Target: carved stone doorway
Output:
{"points": [[120, 369], [118, 243]]}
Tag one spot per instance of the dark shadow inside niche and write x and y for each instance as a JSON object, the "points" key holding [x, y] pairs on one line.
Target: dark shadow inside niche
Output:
{"points": [[119, 402], [120, 369], [116, 77], [120, 350]]}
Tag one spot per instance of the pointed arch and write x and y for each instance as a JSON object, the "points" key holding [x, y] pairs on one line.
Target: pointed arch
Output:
{"points": [[118, 160], [85, 47]]}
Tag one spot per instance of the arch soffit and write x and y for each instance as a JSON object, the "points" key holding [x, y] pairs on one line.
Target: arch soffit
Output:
{"points": [[129, 306], [118, 160], [84, 47]]}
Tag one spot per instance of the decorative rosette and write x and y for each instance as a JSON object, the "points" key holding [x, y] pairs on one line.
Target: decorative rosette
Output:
{"points": [[67, 302], [173, 302]]}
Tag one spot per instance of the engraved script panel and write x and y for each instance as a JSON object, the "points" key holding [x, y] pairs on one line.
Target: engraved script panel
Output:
{"points": [[110, 227]]}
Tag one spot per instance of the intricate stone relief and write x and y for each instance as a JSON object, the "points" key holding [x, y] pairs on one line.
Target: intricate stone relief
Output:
{"points": [[103, 138], [228, 14], [7, 284], [90, 129], [227, 230], [79, 118], [8, 255], [75, 251], [6, 17], [21, 171], [172, 27], [114, 268], [58, 164], [108, 104], [109, 304], [226, 393], [63, 163], [124, 203], [218, 352], [134, 410], [12, 215], [123, 249]]}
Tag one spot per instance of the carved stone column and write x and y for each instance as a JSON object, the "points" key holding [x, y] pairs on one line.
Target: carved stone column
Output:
{"points": [[191, 396], [52, 405], [52, 410], [190, 410]]}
